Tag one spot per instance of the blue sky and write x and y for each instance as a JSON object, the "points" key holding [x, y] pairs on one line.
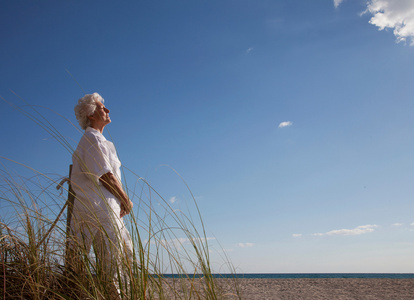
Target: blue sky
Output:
{"points": [[206, 86]]}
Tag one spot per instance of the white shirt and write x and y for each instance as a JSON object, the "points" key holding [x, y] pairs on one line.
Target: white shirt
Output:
{"points": [[94, 157], [96, 210]]}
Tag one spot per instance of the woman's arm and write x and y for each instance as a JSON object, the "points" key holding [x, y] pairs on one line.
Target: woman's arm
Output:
{"points": [[112, 184]]}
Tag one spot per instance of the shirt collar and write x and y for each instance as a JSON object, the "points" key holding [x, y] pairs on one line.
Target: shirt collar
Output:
{"points": [[89, 129], [93, 131]]}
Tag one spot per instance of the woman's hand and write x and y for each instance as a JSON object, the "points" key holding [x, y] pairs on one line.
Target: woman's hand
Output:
{"points": [[112, 184], [126, 209]]}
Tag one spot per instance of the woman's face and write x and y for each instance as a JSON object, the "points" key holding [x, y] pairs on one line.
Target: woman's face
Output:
{"points": [[101, 116]]}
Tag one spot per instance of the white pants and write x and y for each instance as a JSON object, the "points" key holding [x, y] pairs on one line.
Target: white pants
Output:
{"points": [[99, 224]]}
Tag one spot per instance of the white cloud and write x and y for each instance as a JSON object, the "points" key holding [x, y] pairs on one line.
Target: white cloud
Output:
{"points": [[173, 199], [412, 224], [356, 231], [397, 15], [318, 234], [285, 124], [245, 245], [337, 3], [397, 224], [249, 50], [295, 235]]}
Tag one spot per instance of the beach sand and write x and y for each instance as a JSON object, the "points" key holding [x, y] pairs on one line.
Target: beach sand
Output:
{"points": [[304, 288], [320, 288]]}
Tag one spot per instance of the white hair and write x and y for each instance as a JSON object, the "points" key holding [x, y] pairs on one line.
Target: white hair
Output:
{"points": [[86, 107]]}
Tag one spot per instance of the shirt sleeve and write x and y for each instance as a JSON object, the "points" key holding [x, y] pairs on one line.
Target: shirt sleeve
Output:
{"points": [[96, 160]]}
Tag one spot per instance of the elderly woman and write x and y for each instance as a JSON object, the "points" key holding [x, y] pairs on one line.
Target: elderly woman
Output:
{"points": [[101, 202]]}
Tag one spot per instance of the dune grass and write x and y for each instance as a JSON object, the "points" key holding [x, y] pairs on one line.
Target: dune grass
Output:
{"points": [[36, 263]]}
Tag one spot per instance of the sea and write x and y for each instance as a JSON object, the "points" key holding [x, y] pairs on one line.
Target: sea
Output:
{"points": [[302, 275]]}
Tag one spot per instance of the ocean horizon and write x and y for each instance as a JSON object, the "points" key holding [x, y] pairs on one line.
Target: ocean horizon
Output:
{"points": [[301, 275]]}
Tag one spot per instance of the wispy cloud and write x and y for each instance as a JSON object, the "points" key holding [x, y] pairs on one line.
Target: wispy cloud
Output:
{"points": [[249, 50], [285, 124], [397, 224], [337, 3], [356, 231], [412, 224], [173, 199], [296, 235], [244, 245]]}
